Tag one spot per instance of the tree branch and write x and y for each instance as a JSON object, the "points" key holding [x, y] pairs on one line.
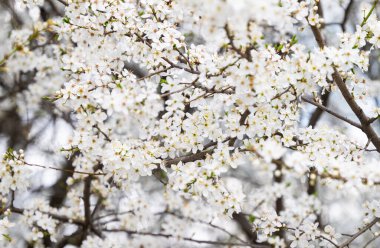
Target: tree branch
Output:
{"points": [[358, 111], [360, 232], [163, 235], [320, 106]]}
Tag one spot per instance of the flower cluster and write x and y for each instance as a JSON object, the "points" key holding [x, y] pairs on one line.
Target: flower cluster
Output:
{"points": [[14, 173]]}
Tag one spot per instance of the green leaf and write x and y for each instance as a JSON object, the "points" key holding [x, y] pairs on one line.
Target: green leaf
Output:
{"points": [[279, 47], [163, 81], [66, 19], [294, 40], [7, 237], [251, 218]]}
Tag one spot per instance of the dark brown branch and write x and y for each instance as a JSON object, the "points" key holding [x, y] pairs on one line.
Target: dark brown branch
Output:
{"points": [[60, 188], [86, 201], [244, 54], [346, 15], [63, 2], [181, 67], [316, 115], [188, 158], [246, 226], [279, 204], [364, 120]]}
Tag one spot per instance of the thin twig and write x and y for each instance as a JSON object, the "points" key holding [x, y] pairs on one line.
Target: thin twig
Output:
{"points": [[163, 235], [360, 232], [332, 112], [64, 170]]}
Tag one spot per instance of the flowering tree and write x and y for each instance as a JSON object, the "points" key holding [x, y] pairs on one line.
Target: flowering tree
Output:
{"points": [[185, 123]]}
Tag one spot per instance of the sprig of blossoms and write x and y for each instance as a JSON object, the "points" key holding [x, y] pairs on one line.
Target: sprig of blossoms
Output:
{"points": [[14, 172]]}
